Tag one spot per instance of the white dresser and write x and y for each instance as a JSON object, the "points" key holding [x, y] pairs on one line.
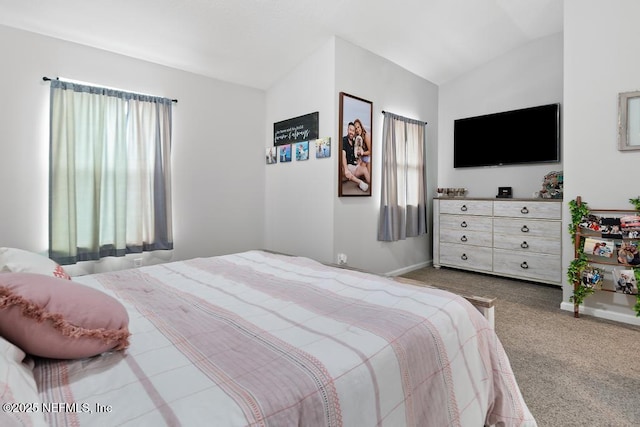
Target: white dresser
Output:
{"points": [[518, 238]]}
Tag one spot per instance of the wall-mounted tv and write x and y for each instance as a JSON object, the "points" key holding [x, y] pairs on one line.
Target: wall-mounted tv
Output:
{"points": [[528, 135]]}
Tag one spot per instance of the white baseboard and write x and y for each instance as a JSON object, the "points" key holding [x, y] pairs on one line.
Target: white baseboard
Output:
{"points": [[630, 319], [409, 268]]}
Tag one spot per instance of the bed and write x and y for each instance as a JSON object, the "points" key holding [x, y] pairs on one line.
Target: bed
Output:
{"points": [[263, 339]]}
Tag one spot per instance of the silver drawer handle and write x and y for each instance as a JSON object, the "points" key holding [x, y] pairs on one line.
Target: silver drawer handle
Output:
{"points": [[524, 229], [463, 208], [524, 210], [524, 245], [463, 239], [464, 257], [463, 224], [524, 265]]}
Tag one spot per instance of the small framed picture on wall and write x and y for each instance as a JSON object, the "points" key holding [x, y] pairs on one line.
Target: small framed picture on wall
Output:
{"points": [[284, 152], [302, 150], [271, 155], [323, 148]]}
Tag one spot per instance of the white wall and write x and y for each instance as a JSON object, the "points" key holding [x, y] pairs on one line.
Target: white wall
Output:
{"points": [[220, 133], [299, 207], [304, 214], [525, 77], [601, 60], [218, 144], [389, 88]]}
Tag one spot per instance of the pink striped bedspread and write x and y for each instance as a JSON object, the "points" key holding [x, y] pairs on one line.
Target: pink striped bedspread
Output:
{"points": [[258, 339]]}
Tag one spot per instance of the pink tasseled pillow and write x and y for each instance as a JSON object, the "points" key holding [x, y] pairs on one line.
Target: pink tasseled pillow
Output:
{"points": [[57, 318]]}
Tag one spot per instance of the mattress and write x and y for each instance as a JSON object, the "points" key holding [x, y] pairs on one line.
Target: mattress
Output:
{"points": [[261, 339]]}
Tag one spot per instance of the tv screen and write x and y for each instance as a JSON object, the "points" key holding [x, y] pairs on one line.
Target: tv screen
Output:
{"points": [[528, 135]]}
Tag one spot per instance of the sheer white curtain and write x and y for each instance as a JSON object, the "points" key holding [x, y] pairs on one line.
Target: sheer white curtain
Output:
{"points": [[403, 210], [110, 173]]}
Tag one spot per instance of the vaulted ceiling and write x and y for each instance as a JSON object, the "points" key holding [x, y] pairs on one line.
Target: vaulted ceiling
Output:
{"points": [[256, 42]]}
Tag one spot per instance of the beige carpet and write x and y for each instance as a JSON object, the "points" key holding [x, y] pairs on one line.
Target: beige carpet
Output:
{"points": [[572, 372]]}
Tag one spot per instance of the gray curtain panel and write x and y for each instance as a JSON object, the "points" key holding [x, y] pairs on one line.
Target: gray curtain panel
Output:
{"points": [[403, 210]]}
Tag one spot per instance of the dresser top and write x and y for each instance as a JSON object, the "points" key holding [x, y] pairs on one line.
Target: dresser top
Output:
{"points": [[499, 199]]}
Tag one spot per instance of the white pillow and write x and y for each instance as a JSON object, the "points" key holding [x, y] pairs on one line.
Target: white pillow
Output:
{"points": [[21, 261], [18, 391]]}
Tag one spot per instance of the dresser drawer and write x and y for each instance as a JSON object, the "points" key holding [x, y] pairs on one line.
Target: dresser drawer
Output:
{"points": [[466, 207], [539, 267], [470, 257], [526, 227], [466, 223], [531, 244], [466, 237], [527, 209]]}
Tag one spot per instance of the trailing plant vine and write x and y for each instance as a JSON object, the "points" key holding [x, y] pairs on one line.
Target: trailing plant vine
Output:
{"points": [[580, 292], [578, 211], [580, 262], [576, 266], [636, 271]]}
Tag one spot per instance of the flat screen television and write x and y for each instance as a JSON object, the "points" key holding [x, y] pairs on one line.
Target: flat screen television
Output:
{"points": [[524, 136]]}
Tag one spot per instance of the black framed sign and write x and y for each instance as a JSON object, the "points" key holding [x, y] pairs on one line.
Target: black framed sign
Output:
{"points": [[298, 129]]}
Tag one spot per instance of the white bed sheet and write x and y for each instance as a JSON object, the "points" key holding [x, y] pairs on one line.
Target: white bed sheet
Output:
{"points": [[262, 339]]}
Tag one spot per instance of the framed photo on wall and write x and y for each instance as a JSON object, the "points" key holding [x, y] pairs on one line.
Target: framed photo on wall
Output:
{"points": [[355, 126], [323, 148], [284, 152]]}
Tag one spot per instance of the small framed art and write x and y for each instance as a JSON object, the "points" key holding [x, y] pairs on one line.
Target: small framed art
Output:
{"points": [[323, 148], [284, 153]]}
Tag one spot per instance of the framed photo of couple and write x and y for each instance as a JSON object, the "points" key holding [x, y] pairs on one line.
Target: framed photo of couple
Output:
{"points": [[355, 126]]}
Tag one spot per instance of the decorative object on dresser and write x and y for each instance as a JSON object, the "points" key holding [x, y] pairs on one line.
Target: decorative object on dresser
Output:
{"points": [[619, 230], [518, 238], [552, 186], [451, 192], [504, 193]]}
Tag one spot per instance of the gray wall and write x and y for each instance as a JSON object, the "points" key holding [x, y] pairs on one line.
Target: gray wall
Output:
{"points": [[525, 77], [390, 88], [218, 151], [304, 213], [601, 60], [300, 195]]}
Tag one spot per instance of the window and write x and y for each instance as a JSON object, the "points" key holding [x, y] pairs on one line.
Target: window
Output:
{"points": [[403, 211], [110, 173]]}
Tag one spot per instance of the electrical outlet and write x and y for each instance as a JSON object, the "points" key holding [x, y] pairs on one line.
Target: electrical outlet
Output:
{"points": [[342, 259], [137, 262]]}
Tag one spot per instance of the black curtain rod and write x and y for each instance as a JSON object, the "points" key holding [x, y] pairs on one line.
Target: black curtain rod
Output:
{"points": [[408, 118], [48, 79]]}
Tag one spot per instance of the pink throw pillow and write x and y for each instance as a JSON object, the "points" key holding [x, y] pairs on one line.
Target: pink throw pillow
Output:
{"points": [[56, 318]]}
